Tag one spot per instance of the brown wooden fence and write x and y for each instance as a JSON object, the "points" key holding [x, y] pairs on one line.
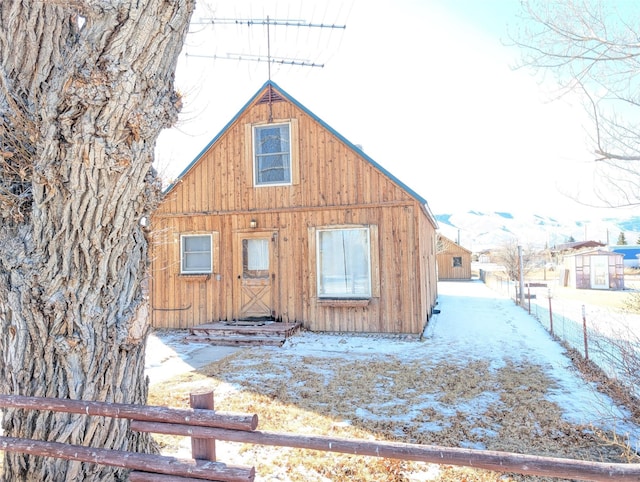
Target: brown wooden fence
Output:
{"points": [[205, 425], [144, 467]]}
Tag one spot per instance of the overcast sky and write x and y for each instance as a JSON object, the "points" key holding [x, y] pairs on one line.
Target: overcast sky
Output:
{"points": [[427, 87]]}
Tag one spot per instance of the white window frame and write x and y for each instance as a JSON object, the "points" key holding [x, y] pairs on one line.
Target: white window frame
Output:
{"points": [[319, 285], [183, 254], [288, 153]]}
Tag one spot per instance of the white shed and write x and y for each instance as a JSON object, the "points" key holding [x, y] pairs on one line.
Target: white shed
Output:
{"points": [[598, 270]]}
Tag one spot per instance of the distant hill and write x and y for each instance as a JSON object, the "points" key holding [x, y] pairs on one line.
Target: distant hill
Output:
{"points": [[477, 231]]}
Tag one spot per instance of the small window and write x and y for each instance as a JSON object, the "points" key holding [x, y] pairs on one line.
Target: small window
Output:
{"points": [[457, 261], [196, 254], [272, 154], [255, 258], [344, 263]]}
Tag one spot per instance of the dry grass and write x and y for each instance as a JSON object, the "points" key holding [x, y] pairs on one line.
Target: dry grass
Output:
{"points": [[400, 402], [385, 399]]}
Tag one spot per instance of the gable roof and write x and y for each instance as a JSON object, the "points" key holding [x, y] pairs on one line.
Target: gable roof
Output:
{"points": [[596, 252], [276, 93], [451, 243], [579, 245]]}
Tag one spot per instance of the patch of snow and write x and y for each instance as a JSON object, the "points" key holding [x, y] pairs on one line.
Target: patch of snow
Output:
{"points": [[475, 324]]}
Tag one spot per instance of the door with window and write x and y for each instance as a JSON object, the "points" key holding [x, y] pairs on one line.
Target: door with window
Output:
{"points": [[600, 272], [254, 267]]}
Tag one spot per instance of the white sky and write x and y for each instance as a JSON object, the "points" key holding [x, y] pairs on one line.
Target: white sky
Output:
{"points": [[425, 86]]}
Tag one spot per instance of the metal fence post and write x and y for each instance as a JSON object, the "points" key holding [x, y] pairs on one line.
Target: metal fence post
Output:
{"points": [[550, 312], [584, 331]]}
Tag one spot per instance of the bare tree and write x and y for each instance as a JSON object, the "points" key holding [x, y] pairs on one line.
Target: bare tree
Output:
{"points": [[508, 256], [85, 88], [592, 47]]}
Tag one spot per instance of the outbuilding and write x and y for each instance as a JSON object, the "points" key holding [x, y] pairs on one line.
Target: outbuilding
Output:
{"points": [[454, 261], [596, 269]]}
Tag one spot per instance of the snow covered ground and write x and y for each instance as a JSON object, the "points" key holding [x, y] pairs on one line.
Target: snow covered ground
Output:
{"points": [[474, 323]]}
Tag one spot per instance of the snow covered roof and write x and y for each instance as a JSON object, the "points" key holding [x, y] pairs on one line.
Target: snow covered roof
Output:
{"points": [[575, 245]]}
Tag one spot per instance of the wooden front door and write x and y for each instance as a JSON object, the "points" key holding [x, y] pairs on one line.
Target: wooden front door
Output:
{"points": [[254, 267]]}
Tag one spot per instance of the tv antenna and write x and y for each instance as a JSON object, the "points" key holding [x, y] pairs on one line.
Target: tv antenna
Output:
{"points": [[268, 22]]}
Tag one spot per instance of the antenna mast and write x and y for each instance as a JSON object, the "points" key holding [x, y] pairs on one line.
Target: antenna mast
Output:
{"points": [[250, 22], [268, 51]]}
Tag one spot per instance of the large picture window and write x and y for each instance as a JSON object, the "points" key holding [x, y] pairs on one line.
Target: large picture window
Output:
{"points": [[344, 263], [196, 254], [272, 154]]}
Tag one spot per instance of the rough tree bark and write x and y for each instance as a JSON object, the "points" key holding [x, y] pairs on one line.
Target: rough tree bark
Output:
{"points": [[85, 88]]}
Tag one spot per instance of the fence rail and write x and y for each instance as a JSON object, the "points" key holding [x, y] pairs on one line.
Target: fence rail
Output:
{"points": [[211, 426], [145, 467]]}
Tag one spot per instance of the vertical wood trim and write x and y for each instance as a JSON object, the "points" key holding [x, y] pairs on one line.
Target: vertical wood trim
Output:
{"points": [[375, 260], [248, 154], [236, 272], [275, 303], [215, 248], [228, 278], [313, 263], [295, 151]]}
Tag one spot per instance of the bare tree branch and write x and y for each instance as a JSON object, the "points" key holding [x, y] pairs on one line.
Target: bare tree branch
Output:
{"points": [[593, 49]]}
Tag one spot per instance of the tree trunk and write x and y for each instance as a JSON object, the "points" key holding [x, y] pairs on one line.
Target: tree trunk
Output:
{"points": [[85, 88]]}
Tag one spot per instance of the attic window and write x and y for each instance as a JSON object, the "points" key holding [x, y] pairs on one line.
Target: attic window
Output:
{"points": [[272, 154], [270, 96]]}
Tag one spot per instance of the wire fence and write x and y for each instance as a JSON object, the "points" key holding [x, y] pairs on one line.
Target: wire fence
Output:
{"points": [[609, 338]]}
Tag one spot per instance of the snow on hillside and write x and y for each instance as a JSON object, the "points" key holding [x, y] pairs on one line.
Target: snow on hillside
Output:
{"points": [[477, 230]]}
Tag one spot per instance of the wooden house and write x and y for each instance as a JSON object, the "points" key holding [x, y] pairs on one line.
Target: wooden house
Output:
{"points": [[282, 218], [454, 261]]}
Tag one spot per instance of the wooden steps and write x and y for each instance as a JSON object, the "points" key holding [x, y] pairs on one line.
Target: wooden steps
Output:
{"points": [[244, 333]]}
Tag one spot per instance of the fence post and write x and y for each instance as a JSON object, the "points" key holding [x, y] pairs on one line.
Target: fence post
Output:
{"points": [[550, 312], [521, 275], [584, 331], [202, 448]]}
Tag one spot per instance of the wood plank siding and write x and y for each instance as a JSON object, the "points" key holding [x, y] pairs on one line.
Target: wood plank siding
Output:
{"points": [[454, 261], [333, 184]]}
